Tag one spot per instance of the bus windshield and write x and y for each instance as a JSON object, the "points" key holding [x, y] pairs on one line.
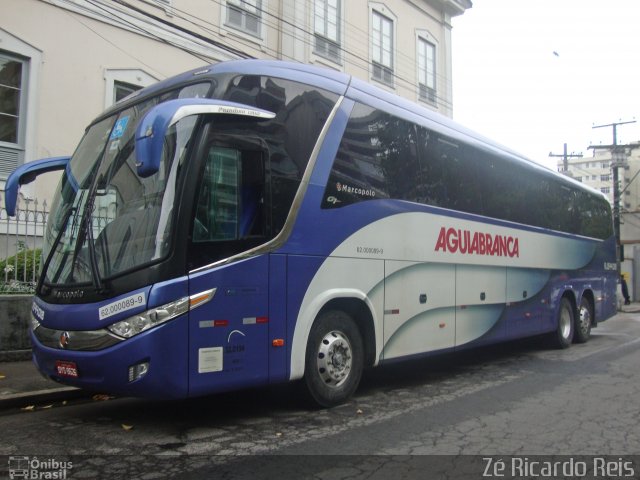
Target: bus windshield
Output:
{"points": [[106, 219]]}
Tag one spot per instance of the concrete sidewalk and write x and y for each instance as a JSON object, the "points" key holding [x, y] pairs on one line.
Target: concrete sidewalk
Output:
{"points": [[21, 385], [634, 307]]}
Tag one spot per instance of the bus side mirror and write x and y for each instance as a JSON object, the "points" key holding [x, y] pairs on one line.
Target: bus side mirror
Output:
{"points": [[27, 173], [155, 124]]}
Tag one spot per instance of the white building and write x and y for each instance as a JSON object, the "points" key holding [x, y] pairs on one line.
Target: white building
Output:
{"points": [[63, 61]]}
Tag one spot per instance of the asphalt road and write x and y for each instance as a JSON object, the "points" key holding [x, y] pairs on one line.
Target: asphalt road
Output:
{"points": [[520, 399]]}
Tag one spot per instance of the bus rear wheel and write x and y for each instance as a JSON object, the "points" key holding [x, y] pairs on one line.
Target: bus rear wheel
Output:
{"points": [[334, 359], [563, 335], [583, 322]]}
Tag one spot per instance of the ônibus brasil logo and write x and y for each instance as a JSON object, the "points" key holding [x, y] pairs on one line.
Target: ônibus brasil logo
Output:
{"points": [[453, 240]]}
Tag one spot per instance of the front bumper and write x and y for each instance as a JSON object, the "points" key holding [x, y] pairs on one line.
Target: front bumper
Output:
{"points": [[164, 348]]}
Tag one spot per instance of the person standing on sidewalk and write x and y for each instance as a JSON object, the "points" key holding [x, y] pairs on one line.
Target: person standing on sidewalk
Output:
{"points": [[625, 290]]}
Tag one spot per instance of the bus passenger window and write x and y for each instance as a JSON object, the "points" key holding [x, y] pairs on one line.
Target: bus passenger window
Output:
{"points": [[218, 202], [230, 202]]}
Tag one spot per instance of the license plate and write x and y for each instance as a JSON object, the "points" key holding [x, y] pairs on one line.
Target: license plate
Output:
{"points": [[67, 369]]}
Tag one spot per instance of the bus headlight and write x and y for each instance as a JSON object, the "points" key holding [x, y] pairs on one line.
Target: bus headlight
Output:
{"points": [[144, 321]]}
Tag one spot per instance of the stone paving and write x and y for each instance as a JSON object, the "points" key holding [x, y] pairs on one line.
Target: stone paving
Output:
{"points": [[517, 399]]}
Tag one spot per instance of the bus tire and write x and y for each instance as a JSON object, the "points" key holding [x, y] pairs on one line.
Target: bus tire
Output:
{"points": [[334, 359], [565, 327], [583, 322]]}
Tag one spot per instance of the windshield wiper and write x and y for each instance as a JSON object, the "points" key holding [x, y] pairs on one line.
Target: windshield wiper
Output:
{"points": [[93, 261], [45, 265]]}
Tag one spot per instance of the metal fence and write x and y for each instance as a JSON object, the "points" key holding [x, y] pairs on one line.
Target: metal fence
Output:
{"points": [[21, 245]]}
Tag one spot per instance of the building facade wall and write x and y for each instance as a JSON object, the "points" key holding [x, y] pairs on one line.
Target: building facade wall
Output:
{"points": [[630, 217]]}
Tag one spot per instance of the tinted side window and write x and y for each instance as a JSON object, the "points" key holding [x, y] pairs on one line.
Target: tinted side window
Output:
{"points": [[377, 158], [249, 168], [449, 176], [382, 156], [581, 213], [397, 140], [301, 112], [231, 196], [519, 193], [509, 190], [596, 220]]}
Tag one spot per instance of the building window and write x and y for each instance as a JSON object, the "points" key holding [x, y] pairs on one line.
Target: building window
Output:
{"points": [[326, 25], [245, 15], [605, 189], [122, 90], [120, 83], [579, 179], [605, 178], [605, 164], [427, 70], [13, 81], [382, 48]]}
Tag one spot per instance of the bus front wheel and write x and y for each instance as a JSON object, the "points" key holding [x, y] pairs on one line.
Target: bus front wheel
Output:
{"points": [[334, 358], [563, 335]]}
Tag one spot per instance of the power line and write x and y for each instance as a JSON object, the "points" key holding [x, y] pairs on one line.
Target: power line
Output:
{"points": [[140, 29], [203, 38], [276, 23], [75, 17]]}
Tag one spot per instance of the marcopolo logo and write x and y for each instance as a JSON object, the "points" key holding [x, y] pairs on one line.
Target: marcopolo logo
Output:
{"points": [[35, 468], [362, 192], [453, 240]]}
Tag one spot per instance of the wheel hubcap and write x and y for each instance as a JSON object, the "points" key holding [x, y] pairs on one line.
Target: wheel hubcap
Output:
{"points": [[334, 359], [585, 319]]}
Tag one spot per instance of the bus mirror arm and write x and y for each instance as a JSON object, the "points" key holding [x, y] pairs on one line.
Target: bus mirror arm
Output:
{"points": [[153, 127], [27, 173]]}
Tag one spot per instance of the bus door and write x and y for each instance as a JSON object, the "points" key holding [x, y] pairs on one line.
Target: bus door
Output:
{"points": [[480, 299], [229, 334], [419, 308]]}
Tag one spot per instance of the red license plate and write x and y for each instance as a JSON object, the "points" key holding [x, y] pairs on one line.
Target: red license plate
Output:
{"points": [[67, 369]]}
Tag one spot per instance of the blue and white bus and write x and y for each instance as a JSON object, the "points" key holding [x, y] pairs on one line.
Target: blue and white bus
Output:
{"points": [[256, 222]]}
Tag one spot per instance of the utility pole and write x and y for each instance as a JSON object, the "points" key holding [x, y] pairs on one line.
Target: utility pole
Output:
{"points": [[565, 156], [617, 161]]}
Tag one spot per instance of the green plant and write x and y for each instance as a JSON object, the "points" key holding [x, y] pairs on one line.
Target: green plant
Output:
{"points": [[21, 267]]}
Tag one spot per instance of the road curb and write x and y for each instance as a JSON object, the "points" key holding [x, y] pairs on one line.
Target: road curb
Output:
{"points": [[38, 397]]}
